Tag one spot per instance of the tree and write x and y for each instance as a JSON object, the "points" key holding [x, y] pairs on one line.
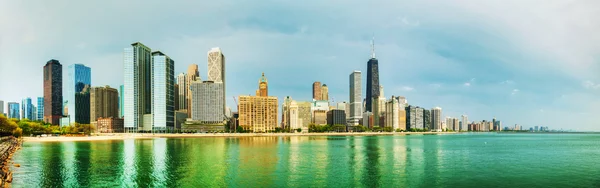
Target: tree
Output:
{"points": [[299, 130], [239, 129]]}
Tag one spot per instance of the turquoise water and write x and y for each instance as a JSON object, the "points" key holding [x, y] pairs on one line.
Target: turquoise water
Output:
{"points": [[460, 160]]}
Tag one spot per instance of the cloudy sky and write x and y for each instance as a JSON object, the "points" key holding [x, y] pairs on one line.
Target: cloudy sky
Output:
{"points": [[524, 62]]}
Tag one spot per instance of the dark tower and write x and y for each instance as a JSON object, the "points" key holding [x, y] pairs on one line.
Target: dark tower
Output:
{"points": [[372, 80], [53, 98]]}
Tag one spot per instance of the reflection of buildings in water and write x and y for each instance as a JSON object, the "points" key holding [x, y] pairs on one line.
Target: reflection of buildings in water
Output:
{"points": [[68, 161], [206, 161], [159, 147], [82, 164], [415, 160], [129, 168], [53, 162], [432, 156], [399, 153], [106, 160], [258, 159], [371, 176]]}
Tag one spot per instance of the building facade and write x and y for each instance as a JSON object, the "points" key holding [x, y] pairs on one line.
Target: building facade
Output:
{"points": [[355, 98], [207, 102], [304, 114], [27, 109], [53, 92], [109, 125], [317, 91], [258, 113], [436, 118], [2, 107], [40, 109], [137, 87], [216, 71], [79, 77], [336, 117], [103, 103], [372, 80], [163, 94], [392, 114], [324, 92], [82, 104], [427, 124], [193, 74], [13, 110], [121, 100], [414, 117], [182, 91], [464, 123], [319, 117]]}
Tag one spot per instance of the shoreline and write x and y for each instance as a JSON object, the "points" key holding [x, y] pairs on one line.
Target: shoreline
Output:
{"points": [[123, 136], [9, 146]]}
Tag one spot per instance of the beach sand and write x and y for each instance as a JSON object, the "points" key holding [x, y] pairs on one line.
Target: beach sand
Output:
{"points": [[122, 136]]}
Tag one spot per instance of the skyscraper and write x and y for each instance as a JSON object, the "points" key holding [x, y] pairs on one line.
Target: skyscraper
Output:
{"points": [[427, 119], [13, 110], [372, 80], [103, 103], [414, 117], [78, 77], [121, 100], [192, 75], [317, 91], [40, 109], [325, 93], [392, 114], [436, 118], [465, 123], [258, 113], [216, 72], [355, 97], [27, 109], [137, 87], [82, 104], [207, 102], [163, 96], [1, 107], [53, 95], [183, 86]]}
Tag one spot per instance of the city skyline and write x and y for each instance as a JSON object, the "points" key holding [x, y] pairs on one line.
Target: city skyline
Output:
{"points": [[509, 70]]}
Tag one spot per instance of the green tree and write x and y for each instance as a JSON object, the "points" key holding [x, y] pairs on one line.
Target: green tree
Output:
{"points": [[299, 130]]}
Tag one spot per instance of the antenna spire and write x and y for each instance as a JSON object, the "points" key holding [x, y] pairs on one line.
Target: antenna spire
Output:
{"points": [[373, 47]]}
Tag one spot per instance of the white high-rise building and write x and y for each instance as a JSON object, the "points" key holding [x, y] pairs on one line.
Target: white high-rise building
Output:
{"points": [[216, 70], [465, 123], [207, 102], [183, 87], [295, 122], [163, 94], [436, 118], [137, 88], [355, 113]]}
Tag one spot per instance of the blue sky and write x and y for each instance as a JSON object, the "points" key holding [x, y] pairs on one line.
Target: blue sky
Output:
{"points": [[524, 62]]}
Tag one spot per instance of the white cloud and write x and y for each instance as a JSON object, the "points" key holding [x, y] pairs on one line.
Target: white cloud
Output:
{"points": [[514, 92], [407, 88], [507, 82], [467, 84], [591, 85]]}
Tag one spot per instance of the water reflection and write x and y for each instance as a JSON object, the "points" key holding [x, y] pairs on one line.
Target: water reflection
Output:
{"points": [[159, 149], [129, 168], [371, 174]]}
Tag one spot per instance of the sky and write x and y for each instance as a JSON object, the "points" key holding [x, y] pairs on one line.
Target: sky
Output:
{"points": [[532, 62]]}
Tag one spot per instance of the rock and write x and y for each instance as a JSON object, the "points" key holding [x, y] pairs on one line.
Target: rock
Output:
{"points": [[17, 165]]}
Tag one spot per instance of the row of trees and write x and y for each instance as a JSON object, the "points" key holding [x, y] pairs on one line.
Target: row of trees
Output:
{"points": [[32, 128]]}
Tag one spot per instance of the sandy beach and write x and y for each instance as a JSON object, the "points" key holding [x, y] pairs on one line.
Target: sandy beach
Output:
{"points": [[122, 136]]}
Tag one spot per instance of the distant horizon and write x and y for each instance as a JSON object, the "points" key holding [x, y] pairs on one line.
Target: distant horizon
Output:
{"points": [[530, 69]]}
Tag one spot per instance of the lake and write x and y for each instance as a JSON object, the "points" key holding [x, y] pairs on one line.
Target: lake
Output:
{"points": [[450, 160]]}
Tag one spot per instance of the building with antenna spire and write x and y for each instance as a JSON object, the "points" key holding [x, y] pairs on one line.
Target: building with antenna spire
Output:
{"points": [[373, 88]]}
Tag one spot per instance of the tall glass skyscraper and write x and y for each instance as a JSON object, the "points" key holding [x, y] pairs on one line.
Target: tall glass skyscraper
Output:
{"points": [[137, 88], [163, 94], [78, 77], [53, 94], [121, 101], [27, 109], [13, 110], [40, 108]]}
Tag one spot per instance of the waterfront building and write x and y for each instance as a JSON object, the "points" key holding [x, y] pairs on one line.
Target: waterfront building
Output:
{"points": [[455, 124], [207, 102], [464, 123], [163, 94], [79, 77], [414, 117], [367, 120], [53, 92], [319, 117], [427, 124], [121, 100], [324, 92], [27, 109], [103, 104], [402, 102], [290, 118], [392, 114], [192, 75], [175, 96], [1, 107], [401, 118], [182, 91], [382, 101], [13, 110], [304, 114], [258, 113], [216, 71], [40, 109], [372, 80], [336, 117], [64, 121], [436, 118], [82, 101], [109, 125], [355, 98], [317, 91]]}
